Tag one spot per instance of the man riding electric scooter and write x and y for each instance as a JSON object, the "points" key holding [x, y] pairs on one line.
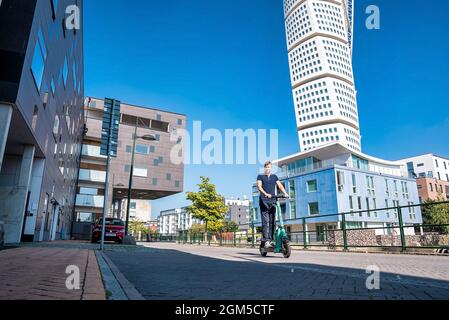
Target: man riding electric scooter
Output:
{"points": [[267, 184]]}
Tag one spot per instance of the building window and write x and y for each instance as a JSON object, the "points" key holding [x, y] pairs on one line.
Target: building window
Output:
{"points": [[370, 185], [65, 71], [359, 203], [157, 161], [411, 211], [436, 162], [56, 126], [292, 209], [154, 181], [395, 185], [368, 208], [34, 120], [387, 188], [179, 122], [340, 180], [38, 63], [312, 186], [133, 206], [354, 184], [396, 205], [141, 149], [89, 191], [54, 8], [386, 207], [84, 217], [53, 88], [168, 176], [313, 208], [292, 189], [351, 205], [375, 207], [431, 187], [404, 186], [410, 169], [137, 172], [177, 183]]}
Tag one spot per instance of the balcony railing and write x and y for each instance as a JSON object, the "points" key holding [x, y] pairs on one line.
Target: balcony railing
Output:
{"points": [[285, 173]]}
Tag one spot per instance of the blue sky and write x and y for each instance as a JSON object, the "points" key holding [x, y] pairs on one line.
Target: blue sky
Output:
{"points": [[225, 63]]}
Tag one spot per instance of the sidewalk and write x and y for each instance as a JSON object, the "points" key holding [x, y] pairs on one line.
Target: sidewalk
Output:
{"points": [[39, 273]]}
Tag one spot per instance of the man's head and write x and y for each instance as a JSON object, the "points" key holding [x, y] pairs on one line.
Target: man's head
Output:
{"points": [[268, 167]]}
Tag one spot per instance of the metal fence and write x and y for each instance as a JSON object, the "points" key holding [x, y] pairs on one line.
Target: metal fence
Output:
{"points": [[348, 233]]}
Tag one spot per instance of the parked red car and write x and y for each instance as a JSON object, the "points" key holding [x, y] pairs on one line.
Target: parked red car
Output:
{"points": [[114, 230]]}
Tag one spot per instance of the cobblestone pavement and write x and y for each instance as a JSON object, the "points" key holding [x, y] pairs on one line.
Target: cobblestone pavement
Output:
{"points": [[38, 273], [174, 271]]}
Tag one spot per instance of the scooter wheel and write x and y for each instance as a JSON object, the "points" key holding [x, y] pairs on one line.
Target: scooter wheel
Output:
{"points": [[263, 252], [286, 250]]}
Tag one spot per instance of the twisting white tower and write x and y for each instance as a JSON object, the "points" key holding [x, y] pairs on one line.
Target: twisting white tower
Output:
{"points": [[319, 40]]}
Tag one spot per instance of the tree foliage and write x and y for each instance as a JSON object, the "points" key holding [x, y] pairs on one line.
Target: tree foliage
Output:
{"points": [[230, 226], [137, 226], [207, 205], [198, 228], [436, 214]]}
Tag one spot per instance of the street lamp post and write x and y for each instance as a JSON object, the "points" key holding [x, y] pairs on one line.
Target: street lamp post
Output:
{"points": [[147, 137]]}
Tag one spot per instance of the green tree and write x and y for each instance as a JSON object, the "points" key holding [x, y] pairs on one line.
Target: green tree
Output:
{"points": [[198, 228], [137, 226], [207, 205], [230, 226], [436, 214]]}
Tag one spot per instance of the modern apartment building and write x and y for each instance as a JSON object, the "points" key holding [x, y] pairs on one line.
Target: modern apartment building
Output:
{"points": [[41, 118], [155, 174], [319, 40], [336, 179], [173, 221], [431, 173], [238, 212]]}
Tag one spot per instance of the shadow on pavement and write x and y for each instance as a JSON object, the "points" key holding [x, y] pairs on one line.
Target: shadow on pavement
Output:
{"points": [[172, 275]]}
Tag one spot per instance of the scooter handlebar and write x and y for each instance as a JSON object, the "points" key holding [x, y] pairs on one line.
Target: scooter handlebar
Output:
{"points": [[279, 197]]}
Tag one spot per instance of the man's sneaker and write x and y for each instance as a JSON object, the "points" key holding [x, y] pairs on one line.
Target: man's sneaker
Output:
{"points": [[268, 244]]}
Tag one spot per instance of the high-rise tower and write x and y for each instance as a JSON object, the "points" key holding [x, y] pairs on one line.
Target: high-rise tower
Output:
{"points": [[319, 41]]}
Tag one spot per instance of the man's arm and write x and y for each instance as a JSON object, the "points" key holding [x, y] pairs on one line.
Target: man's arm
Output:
{"points": [[281, 187], [261, 190]]}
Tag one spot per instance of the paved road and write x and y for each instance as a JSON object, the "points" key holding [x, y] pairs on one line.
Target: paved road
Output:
{"points": [[173, 271]]}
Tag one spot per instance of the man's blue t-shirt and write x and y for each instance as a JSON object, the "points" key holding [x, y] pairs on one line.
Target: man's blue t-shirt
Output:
{"points": [[269, 185]]}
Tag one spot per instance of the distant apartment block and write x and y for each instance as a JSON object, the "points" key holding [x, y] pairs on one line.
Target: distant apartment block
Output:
{"points": [[431, 173], [336, 179], [41, 118], [154, 176], [172, 222], [238, 212]]}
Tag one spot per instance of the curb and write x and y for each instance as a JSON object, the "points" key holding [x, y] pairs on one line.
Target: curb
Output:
{"points": [[114, 281]]}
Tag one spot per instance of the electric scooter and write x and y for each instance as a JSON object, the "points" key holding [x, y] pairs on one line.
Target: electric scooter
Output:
{"points": [[281, 241]]}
